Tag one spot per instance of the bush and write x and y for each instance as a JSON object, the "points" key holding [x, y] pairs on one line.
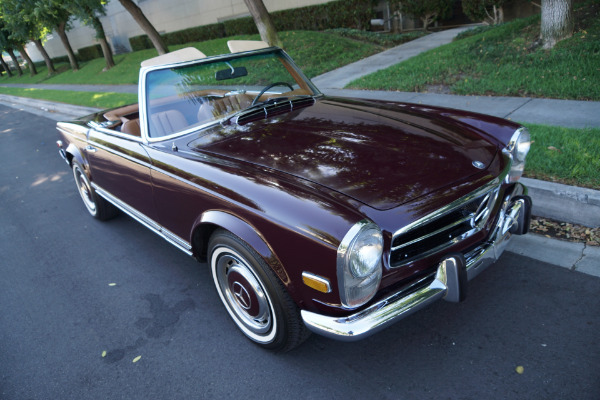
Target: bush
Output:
{"points": [[55, 60], [141, 42], [196, 34], [355, 14], [382, 39], [240, 26], [89, 53]]}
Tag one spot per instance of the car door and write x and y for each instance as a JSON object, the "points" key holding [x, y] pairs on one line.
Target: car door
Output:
{"points": [[120, 171]]}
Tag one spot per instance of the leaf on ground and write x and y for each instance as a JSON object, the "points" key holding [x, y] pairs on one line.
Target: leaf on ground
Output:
{"points": [[520, 369], [103, 353], [137, 359]]}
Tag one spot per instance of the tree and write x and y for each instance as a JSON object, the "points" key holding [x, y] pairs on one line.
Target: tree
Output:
{"points": [[136, 12], [489, 11], [11, 53], [19, 19], [557, 21], [428, 11], [5, 66], [263, 22], [88, 11], [54, 16], [7, 44], [30, 64]]}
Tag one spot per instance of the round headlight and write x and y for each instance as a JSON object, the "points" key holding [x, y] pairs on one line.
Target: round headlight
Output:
{"points": [[365, 252], [522, 145], [518, 147], [359, 264]]}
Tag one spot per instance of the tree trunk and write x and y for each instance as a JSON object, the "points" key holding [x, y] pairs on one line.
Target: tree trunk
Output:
{"points": [[30, 64], [15, 61], [60, 29], [47, 60], [263, 22], [557, 21], [101, 36], [142, 21], [5, 66]]}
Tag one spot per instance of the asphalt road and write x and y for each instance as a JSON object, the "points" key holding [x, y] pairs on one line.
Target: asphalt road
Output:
{"points": [[59, 312]]}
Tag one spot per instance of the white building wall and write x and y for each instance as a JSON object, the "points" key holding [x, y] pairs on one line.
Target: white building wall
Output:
{"points": [[165, 15]]}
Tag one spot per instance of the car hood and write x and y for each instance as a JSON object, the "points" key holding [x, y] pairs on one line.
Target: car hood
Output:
{"points": [[380, 155]]}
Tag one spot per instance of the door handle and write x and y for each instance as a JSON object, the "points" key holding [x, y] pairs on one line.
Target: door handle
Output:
{"points": [[90, 149]]}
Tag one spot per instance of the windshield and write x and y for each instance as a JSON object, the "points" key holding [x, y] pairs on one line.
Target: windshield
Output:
{"points": [[182, 98]]}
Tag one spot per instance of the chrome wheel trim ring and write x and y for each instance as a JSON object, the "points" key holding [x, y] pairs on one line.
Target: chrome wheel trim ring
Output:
{"points": [[260, 327], [85, 189]]}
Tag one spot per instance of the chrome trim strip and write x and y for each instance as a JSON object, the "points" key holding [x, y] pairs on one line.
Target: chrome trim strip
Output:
{"points": [[170, 237], [98, 128], [400, 305]]}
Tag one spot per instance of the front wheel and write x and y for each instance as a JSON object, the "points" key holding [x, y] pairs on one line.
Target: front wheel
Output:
{"points": [[253, 296], [96, 205]]}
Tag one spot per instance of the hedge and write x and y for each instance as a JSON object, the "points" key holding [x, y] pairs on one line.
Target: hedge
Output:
{"points": [[355, 14], [89, 53]]}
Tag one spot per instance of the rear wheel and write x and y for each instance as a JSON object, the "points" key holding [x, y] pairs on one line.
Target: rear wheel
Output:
{"points": [[253, 296], [96, 205]]}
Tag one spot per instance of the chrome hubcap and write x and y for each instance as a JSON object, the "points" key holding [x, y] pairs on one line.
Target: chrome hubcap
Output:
{"points": [[243, 294], [85, 191]]}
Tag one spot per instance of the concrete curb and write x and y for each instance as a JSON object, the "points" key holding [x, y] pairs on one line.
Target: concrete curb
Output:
{"points": [[574, 256], [48, 109], [565, 203]]}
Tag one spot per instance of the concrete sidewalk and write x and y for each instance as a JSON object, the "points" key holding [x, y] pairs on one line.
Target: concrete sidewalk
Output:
{"points": [[339, 78]]}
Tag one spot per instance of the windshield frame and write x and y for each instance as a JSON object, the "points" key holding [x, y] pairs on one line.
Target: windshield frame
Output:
{"points": [[143, 90]]}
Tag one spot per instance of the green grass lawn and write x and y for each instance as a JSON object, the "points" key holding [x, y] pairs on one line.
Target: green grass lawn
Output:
{"points": [[506, 61], [87, 99], [314, 52], [565, 155]]}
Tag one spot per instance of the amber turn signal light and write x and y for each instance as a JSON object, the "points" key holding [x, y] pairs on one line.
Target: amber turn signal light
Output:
{"points": [[316, 282]]}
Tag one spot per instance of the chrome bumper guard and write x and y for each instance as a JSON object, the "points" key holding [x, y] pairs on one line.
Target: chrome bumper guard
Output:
{"points": [[448, 284]]}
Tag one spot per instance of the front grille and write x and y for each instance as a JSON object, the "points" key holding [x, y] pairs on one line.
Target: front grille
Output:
{"points": [[443, 228]]}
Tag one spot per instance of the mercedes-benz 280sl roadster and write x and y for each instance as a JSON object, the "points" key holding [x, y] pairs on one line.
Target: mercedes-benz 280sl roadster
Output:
{"points": [[332, 215]]}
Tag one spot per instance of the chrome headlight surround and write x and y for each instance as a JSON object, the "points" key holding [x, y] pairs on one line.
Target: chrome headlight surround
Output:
{"points": [[359, 267], [517, 148]]}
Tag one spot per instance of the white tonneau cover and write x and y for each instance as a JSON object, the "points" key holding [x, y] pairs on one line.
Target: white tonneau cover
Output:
{"points": [[237, 46], [177, 56]]}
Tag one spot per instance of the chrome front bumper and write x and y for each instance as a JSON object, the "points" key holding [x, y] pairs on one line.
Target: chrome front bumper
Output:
{"points": [[449, 283]]}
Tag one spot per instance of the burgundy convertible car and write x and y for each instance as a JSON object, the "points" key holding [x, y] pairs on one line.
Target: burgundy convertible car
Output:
{"points": [[332, 215]]}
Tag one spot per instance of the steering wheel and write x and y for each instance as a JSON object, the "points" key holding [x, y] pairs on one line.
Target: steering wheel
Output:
{"points": [[272, 85]]}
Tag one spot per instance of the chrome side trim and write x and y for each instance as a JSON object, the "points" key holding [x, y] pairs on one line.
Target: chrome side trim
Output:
{"points": [[400, 305], [170, 237]]}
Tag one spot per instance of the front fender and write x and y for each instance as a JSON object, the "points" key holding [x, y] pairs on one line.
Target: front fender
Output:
{"points": [[212, 219]]}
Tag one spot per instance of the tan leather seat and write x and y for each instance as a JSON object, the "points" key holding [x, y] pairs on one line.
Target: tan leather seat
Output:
{"points": [[166, 123], [131, 127]]}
